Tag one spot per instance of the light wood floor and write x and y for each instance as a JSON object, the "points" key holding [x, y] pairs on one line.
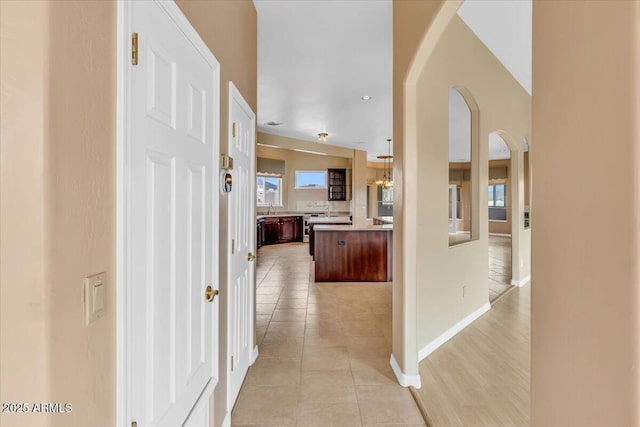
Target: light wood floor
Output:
{"points": [[324, 351], [481, 377], [499, 266]]}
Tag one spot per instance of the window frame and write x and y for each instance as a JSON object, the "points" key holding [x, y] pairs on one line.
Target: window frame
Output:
{"points": [[265, 176], [491, 195], [326, 180]]}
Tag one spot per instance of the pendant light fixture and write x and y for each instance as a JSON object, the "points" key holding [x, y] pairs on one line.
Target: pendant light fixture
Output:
{"points": [[387, 179]]}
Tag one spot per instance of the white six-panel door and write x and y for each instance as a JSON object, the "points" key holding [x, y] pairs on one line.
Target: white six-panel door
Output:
{"points": [[242, 226], [172, 220]]}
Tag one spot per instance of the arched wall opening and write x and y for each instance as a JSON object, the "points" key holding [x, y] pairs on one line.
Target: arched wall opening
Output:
{"points": [[506, 172], [442, 288], [463, 139]]}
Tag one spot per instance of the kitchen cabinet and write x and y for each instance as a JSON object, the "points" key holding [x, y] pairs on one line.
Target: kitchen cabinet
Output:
{"points": [[337, 184], [260, 233], [282, 229], [289, 229]]}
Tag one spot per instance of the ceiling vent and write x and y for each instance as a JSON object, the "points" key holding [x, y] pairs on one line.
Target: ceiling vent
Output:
{"points": [[273, 124]]}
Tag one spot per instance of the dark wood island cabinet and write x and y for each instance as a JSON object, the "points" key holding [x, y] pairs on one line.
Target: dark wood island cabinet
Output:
{"points": [[351, 254]]}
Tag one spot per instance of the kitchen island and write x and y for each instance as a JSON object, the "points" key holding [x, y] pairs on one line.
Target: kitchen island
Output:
{"points": [[333, 220], [344, 253]]}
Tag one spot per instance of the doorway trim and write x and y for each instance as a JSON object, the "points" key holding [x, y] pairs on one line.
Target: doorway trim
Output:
{"points": [[236, 95], [123, 213]]}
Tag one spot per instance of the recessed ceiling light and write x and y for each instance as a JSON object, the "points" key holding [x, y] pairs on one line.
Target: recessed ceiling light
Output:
{"points": [[272, 123], [366, 97]]}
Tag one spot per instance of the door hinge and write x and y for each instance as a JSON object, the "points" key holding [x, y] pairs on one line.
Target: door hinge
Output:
{"points": [[233, 246], [233, 130], [134, 49], [134, 424], [232, 363]]}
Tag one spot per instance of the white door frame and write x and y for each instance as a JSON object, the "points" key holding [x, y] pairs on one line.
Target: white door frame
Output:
{"points": [[123, 214], [236, 95]]}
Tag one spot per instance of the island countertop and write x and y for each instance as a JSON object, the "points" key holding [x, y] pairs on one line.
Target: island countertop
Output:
{"points": [[329, 220], [328, 227]]}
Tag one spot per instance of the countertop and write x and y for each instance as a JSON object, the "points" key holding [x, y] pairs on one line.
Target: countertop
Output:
{"points": [[289, 213], [387, 219], [328, 219], [278, 214], [383, 227]]}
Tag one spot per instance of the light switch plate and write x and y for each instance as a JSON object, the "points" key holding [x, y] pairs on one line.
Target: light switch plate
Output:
{"points": [[94, 297]]}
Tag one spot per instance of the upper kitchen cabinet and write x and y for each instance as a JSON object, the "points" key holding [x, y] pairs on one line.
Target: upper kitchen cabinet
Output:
{"points": [[337, 184]]}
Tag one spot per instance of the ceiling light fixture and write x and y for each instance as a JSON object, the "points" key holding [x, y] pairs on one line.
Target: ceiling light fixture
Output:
{"points": [[272, 123], [366, 98], [387, 179], [322, 136]]}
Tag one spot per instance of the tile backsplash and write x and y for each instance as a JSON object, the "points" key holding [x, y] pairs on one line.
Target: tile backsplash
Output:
{"points": [[321, 206]]}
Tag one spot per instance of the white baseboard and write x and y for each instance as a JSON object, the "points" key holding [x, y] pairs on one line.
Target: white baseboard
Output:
{"points": [[227, 420], [403, 379], [520, 283], [433, 345], [500, 234], [254, 354]]}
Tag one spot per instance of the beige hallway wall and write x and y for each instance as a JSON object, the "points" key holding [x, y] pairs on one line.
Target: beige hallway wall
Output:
{"points": [[459, 59], [23, 64], [58, 191], [585, 329]]}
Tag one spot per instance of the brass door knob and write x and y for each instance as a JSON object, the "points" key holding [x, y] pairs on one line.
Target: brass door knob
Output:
{"points": [[251, 256], [210, 293]]}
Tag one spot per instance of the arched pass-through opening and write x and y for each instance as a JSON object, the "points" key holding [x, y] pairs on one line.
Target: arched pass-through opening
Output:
{"points": [[463, 166], [510, 221], [500, 205]]}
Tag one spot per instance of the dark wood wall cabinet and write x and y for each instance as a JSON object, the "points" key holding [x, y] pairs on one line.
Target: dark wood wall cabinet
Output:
{"points": [[353, 256], [337, 184], [281, 229]]}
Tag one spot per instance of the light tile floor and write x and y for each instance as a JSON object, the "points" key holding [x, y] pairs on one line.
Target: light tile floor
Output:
{"points": [[324, 351]]}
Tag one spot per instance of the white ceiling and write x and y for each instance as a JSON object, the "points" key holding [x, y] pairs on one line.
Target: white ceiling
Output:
{"points": [[316, 59], [504, 26]]}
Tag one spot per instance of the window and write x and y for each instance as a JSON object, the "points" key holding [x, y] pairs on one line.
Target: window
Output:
{"points": [[269, 190], [497, 196], [311, 179]]}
